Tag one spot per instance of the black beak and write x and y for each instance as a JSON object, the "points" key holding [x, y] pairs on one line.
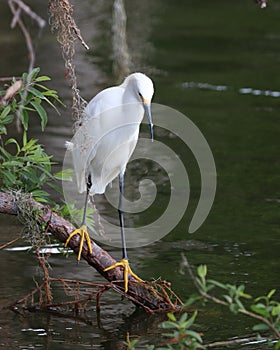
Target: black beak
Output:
{"points": [[147, 108]]}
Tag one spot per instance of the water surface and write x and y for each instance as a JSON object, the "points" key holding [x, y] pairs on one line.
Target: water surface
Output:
{"points": [[215, 62]]}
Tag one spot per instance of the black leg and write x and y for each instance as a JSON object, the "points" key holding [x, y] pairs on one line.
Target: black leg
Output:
{"points": [[120, 209], [89, 184], [124, 262]]}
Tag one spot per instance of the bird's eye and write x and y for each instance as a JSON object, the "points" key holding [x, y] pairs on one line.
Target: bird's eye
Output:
{"points": [[139, 93]]}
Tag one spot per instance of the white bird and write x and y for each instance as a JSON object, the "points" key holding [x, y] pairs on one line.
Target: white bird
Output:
{"points": [[103, 145]]}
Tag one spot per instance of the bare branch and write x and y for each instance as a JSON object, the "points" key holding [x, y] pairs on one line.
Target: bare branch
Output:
{"points": [[25, 32], [232, 342], [8, 78], [31, 54], [3, 246], [22, 6]]}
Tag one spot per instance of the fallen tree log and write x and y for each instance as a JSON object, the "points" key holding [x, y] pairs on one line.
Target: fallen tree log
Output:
{"points": [[152, 296]]}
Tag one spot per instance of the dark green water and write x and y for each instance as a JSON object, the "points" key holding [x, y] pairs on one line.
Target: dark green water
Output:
{"points": [[180, 45]]}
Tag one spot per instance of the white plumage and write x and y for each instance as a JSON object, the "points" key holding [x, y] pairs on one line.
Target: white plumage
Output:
{"points": [[105, 142]]}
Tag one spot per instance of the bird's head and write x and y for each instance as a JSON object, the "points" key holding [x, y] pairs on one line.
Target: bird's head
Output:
{"points": [[144, 90]]}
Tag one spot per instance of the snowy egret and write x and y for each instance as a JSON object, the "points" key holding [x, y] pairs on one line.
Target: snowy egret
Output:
{"points": [[104, 145]]}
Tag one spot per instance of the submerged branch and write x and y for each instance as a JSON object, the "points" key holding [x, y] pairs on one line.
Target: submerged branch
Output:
{"points": [[152, 296]]}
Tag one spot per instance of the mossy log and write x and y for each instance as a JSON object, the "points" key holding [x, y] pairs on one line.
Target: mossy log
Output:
{"points": [[152, 296]]}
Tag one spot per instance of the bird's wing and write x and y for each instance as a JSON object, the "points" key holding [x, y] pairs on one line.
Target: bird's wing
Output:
{"points": [[104, 100], [88, 135]]}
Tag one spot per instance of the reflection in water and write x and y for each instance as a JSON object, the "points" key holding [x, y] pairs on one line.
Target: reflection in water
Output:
{"points": [[245, 91], [121, 58]]}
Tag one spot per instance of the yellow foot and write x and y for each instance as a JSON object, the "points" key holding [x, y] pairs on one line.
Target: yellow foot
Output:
{"points": [[82, 231], [126, 270]]}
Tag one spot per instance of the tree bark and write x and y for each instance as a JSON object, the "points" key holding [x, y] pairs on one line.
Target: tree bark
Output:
{"points": [[142, 294]]}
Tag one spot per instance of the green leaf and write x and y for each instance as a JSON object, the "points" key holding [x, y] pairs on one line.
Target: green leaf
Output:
{"points": [[260, 309], [239, 304], [240, 289], [8, 119], [234, 308], [42, 113], [24, 77], [190, 321], [10, 178], [30, 145], [228, 299], [24, 138], [12, 140], [24, 119], [42, 87], [3, 130], [40, 195], [276, 310], [43, 78], [202, 271], [218, 284], [5, 153], [201, 284], [245, 295], [260, 327], [36, 93], [182, 319], [271, 293], [5, 112], [65, 175], [52, 105], [12, 163], [261, 298], [195, 335], [168, 324], [171, 317], [277, 345], [50, 93], [34, 73]]}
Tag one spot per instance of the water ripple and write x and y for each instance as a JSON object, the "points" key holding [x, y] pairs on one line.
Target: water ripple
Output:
{"points": [[243, 91]]}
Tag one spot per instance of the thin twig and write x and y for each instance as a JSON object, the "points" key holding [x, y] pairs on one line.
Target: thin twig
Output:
{"points": [[31, 54], [9, 243], [262, 319], [26, 34], [232, 342], [8, 78], [22, 6], [186, 264], [17, 7], [16, 16], [42, 262]]}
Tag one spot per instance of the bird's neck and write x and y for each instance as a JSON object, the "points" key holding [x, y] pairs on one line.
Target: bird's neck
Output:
{"points": [[131, 102], [130, 95]]}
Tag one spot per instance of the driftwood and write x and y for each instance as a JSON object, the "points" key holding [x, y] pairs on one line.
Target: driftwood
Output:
{"points": [[152, 296]]}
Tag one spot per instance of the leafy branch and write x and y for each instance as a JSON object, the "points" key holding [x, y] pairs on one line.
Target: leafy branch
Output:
{"points": [[25, 165], [263, 308]]}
